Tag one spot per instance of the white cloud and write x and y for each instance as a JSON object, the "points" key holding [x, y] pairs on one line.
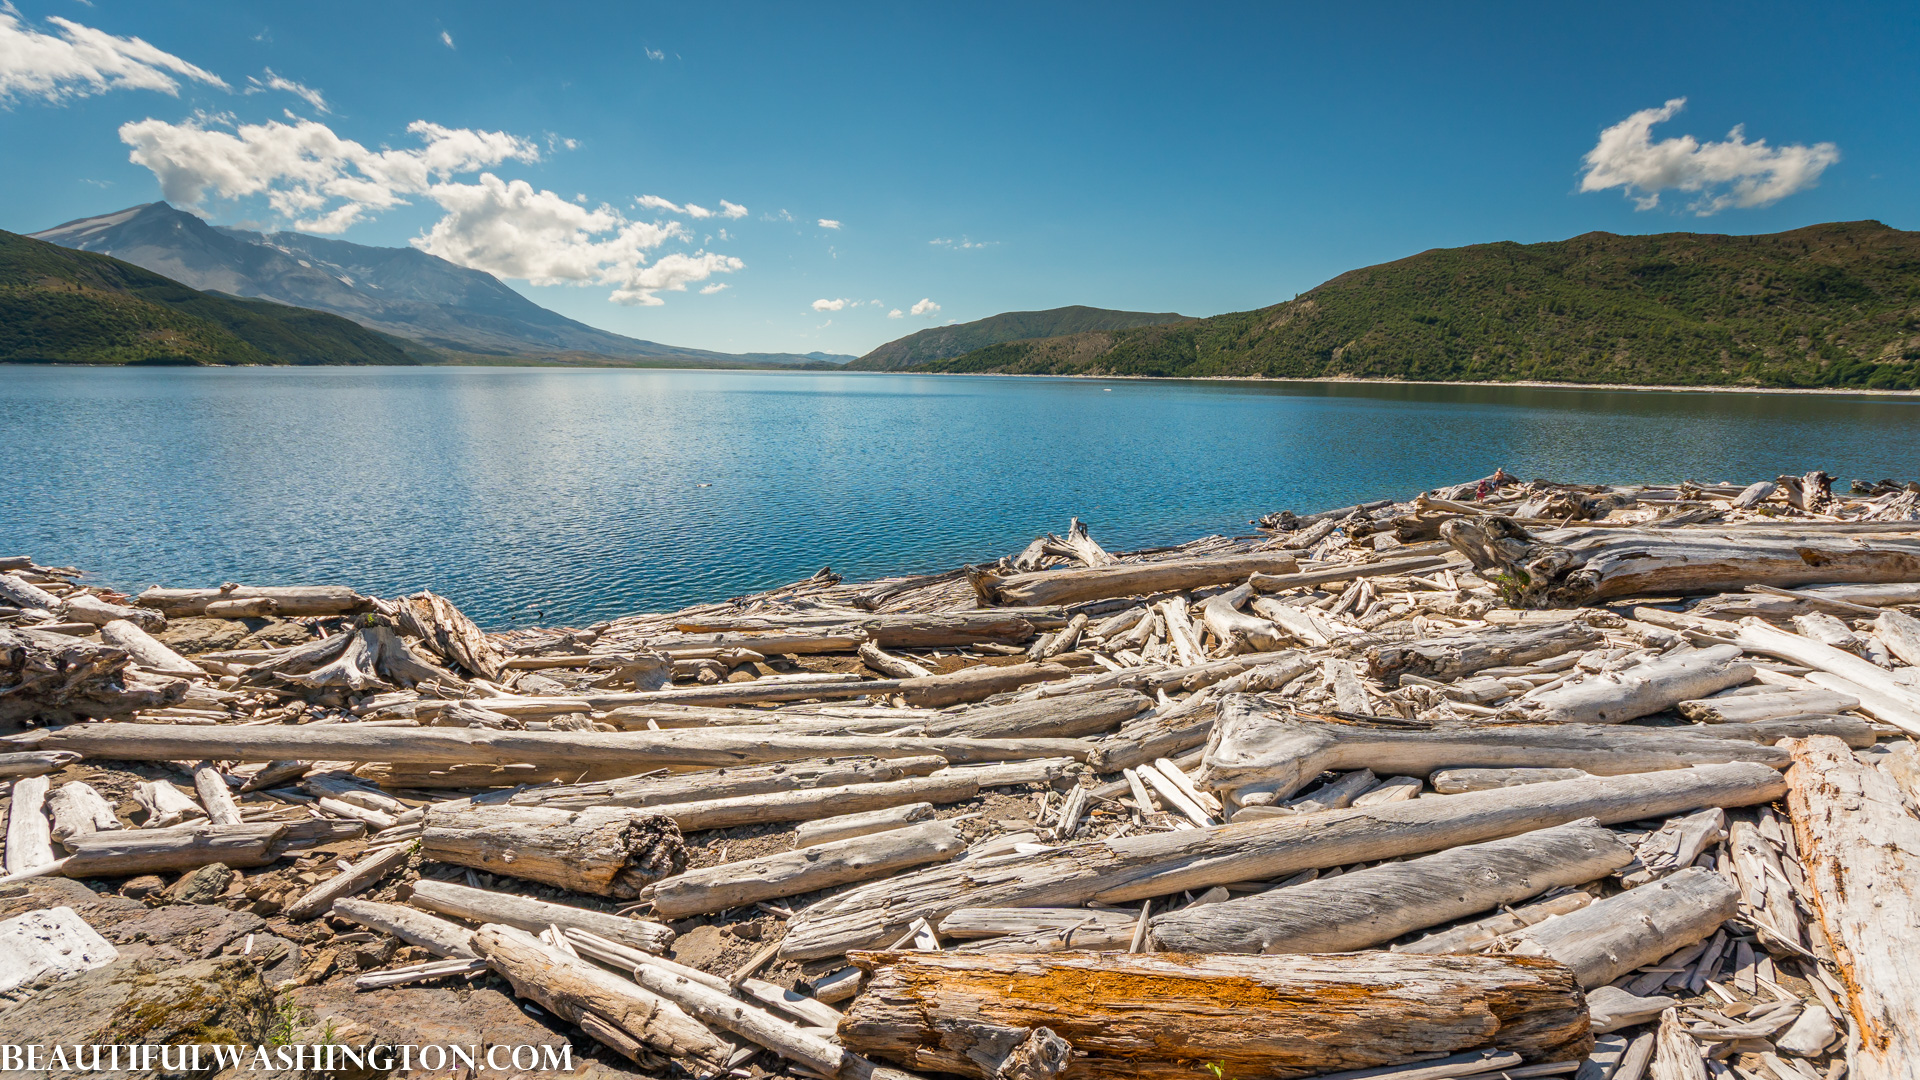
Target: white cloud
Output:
{"points": [[655, 202], [697, 212], [962, 244], [692, 210], [505, 227], [446, 39], [830, 305], [732, 210], [829, 223], [1731, 173], [275, 82], [896, 313], [655, 54], [308, 173], [80, 61], [709, 290], [926, 307]]}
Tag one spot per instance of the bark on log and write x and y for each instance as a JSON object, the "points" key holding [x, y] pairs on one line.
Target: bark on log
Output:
{"points": [[126, 852], [614, 853], [1447, 658], [55, 679], [1578, 567], [1366, 907], [1281, 751], [1612, 697], [293, 600], [1138, 867], [1067, 717], [729, 783], [791, 873], [1131, 579], [1607, 939], [1861, 851], [483, 906], [459, 746], [576, 991], [1155, 1015]]}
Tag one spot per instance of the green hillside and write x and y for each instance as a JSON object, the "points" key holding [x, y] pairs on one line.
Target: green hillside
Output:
{"points": [[1834, 305], [75, 307], [942, 342]]}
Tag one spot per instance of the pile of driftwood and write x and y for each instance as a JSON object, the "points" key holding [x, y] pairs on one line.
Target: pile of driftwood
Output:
{"points": [[1512, 779]]}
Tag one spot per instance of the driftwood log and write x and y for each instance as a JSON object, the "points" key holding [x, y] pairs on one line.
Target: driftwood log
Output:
{"points": [[485, 906], [125, 852], [1156, 1015], [604, 852], [1128, 579], [52, 678], [448, 634], [293, 600], [1278, 751], [1612, 697], [1577, 567], [1138, 867], [1448, 657], [1053, 718], [708, 784], [1861, 850], [1605, 940], [581, 993], [1366, 907], [461, 746], [803, 870]]}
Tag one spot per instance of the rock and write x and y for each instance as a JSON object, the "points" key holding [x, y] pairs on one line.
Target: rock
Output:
{"points": [[478, 1015], [148, 1001], [192, 635], [202, 886], [139, 888], [45, 946], [276, 633]]}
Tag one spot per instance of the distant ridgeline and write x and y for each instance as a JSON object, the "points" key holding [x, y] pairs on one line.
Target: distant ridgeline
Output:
{"points": [[1834, 305], [942, 342], [59, 306]]}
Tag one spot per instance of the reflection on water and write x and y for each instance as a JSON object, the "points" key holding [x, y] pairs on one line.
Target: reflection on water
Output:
{"points": [[563, 496]]}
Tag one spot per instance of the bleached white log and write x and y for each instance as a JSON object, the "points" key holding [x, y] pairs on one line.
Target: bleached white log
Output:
{"points": [[364, 874], [78, 810], [1612, 697], [485, 906], [1363, 908], [1455, 781], [1468, 937], [88, 608], [1605, 940], [1755, 635], [791, 873], [29, 836], [1750, 708], [1138, 867], [436, 935], [1861, 851], [146, 651], [846, 826], [1613, 1008]]}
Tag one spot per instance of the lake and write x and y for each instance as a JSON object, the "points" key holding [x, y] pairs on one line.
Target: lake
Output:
{"points": [[564, 496]]}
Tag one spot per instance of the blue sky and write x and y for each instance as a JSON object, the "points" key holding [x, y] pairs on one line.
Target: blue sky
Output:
{"points": [[976, 159]]}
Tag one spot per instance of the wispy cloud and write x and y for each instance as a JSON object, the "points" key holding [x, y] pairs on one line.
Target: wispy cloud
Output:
{"points": [[79, 61], [829, 223], [1734, 173], [926, 307], [447, 40], [831, 305], [277, 82], [656, 54], [709, 290], [692, 210], [325, 183], [962, 244]]}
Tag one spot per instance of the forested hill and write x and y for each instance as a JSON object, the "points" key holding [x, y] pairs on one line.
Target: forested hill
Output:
{"points": [[1829, 305], [944, 341], [75, 307]]}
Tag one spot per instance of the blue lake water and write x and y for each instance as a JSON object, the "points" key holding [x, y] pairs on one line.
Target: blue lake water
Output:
{"points": [[565, 496]]}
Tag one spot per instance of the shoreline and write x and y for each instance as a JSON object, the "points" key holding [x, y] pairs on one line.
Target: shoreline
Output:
{"points": [[1528, 384]]}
